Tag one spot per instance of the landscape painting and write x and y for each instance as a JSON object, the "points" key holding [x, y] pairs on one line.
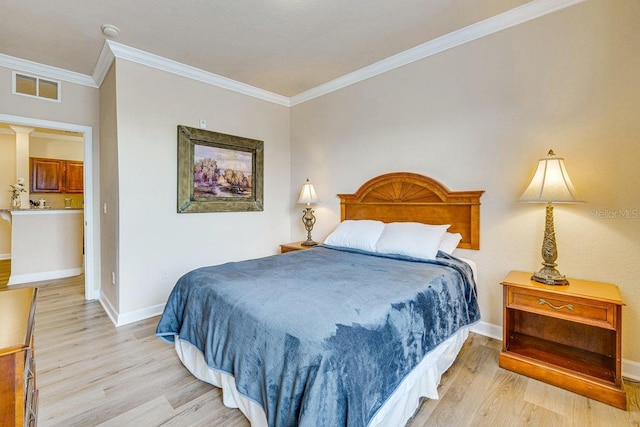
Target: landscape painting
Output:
{"points": [[218, 172]]}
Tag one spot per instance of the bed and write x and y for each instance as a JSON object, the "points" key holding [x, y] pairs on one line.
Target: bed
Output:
{"points": [[341, 334]]}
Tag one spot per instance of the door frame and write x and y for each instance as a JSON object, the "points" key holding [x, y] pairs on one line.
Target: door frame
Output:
{"points": [[90, 291]]}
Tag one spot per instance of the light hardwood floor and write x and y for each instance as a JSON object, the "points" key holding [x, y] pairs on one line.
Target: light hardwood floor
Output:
{"points": [[91, 373]]}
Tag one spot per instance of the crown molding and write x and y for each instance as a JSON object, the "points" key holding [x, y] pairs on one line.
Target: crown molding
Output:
{"points": [[111, 50], [105, 60], [46, 71], [502, 21], [149, 59]]}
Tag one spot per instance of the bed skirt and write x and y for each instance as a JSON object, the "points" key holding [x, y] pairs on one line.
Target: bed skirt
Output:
{"points": [[422, 381]]}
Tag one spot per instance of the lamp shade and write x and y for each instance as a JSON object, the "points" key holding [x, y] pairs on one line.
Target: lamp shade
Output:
{"points": [[308, 194], [550, 183]]}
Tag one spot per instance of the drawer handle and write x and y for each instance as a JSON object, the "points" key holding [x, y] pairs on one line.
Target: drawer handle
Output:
{"points": [[555, 307]]}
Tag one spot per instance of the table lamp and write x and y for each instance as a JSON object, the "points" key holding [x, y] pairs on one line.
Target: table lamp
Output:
{"points": [[550, 184], [308, 196]]}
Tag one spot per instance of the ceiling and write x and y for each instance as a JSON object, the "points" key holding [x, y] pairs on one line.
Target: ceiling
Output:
{"points": [[282, 46]]}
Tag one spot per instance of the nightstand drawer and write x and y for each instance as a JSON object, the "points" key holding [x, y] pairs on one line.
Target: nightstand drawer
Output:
{"points": [[590, 312]]}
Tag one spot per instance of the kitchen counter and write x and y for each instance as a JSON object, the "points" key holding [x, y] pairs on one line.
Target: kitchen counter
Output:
{"points": [[46, 244], [41, 210], [7, 213]]}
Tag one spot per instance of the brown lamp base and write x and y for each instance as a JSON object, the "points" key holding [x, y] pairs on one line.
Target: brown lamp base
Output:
{"points": [[550, 276]]}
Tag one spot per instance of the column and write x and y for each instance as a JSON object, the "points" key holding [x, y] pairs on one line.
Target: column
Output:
{"points": [[22, 160]]}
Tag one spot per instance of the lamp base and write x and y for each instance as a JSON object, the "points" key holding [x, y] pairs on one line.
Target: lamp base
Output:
{"points": [[309, 242], [550, 276]]}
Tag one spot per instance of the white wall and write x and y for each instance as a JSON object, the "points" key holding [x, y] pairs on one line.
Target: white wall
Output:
{"points": [[152, 236], [478, 117], [56, 148], [109, 190], [79, 106]]}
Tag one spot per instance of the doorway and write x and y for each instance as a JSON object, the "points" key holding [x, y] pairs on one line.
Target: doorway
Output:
{"points": [[90, 221]]}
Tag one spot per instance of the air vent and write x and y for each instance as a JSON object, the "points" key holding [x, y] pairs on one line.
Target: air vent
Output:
{"points": [[37, 87]]}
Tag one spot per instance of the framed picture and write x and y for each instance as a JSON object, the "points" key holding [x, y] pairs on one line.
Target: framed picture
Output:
{"points": [[219, 172]]}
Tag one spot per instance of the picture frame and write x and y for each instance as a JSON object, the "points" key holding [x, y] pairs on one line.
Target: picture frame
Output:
{"points": [[219, 172]]}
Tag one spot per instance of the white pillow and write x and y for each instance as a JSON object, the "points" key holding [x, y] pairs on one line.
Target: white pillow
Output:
{"points": [[411, 239], [450, 242], [352, 234]]}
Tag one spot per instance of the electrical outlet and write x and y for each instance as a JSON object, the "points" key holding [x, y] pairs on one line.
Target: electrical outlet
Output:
{"points": [[113, 278], [164, 274], [104, 208], [203, 124]]}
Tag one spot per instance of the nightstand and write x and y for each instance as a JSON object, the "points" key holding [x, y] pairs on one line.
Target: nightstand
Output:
{"points": [[568, 336], [295, 246]]}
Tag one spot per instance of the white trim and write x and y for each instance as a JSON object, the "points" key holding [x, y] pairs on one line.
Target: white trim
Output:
{"points": [[131, 316], [150, 60], [108, 308], [631, 369], [488, 330], [105, 60], [45, 275], [46, 71], [502, 21], [5, 256], [90, 219], [141, 314], [89, 257]]}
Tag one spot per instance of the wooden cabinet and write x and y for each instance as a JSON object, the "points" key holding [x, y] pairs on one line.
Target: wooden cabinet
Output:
{"points": [[56, 176], [295, 246], [46, 175], [18, 392], [568, 336], [74, 177]]}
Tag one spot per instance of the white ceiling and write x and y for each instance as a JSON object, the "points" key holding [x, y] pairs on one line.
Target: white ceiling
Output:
{"points": [[282, 46]]}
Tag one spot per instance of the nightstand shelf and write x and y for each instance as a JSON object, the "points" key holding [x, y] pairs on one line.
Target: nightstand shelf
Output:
{"points": [[567, 336], [560, 356]]}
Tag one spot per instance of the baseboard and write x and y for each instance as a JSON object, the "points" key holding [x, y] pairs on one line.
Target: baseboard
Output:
{"points": [[130, 317], [45, 275], [137, 315], [630, 368], [108, 308], [488, 330], [5, 256]]}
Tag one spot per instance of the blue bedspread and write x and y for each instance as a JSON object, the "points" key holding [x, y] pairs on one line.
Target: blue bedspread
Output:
{"points": [[320, 337]]}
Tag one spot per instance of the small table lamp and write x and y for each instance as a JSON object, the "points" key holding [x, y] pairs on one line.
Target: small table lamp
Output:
{"points": [[308, 196], [550, 184]]}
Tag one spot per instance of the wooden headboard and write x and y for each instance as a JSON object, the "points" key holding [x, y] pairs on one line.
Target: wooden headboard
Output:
{"points": [[404, 197]]}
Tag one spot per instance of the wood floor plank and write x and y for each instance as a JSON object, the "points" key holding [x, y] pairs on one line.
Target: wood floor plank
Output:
{"points": [[149, 414], [90, 373], [206, 411]]}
